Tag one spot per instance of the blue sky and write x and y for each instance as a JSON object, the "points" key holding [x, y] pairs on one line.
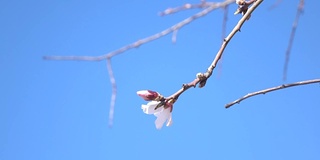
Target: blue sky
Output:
{"points": [[59, 109]]}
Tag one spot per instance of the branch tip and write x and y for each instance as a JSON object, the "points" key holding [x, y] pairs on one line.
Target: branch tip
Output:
{"points": [[283, 86]]}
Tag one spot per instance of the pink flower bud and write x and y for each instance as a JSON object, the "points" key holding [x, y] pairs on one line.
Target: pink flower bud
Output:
{"points": [[148, 95]]}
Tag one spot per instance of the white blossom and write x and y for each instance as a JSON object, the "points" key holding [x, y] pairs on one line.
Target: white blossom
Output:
{"points": [[163, 114]]}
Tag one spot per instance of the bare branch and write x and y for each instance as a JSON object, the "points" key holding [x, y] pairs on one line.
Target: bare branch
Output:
{"points": [[228, 38], [114, 92], [202, 77], [223, 34], [187, 6], [174, 36], [272, 89], [144, 40], [224, 22], [293, 31]]}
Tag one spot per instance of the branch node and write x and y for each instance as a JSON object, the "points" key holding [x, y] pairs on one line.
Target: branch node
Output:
{"points": [[202, 83], [184, 86]]}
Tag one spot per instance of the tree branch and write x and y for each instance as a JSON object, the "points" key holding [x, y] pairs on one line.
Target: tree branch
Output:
{"points": [[209, 6], [144, 40], [293, 31], [272, 89], [114, 92], [224, 22], [228, 38], [223, 34], [187, 6], [202, 77]]}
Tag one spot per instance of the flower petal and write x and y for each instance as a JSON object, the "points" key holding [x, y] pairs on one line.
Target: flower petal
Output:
{"points": [[150, 107], [169, 122], [162, 117]]}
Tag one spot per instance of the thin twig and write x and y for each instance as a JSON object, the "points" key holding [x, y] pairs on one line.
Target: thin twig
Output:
{"points": [[144, 40], [174, 36], [224, 22], [114, 92], [293, 31], [272, 89], [202, 77], [187, 6], [223, 34], [229, 37]]}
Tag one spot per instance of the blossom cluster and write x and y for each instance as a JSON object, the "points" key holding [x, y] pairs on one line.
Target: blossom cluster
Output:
{"points": [[161, 109]]}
